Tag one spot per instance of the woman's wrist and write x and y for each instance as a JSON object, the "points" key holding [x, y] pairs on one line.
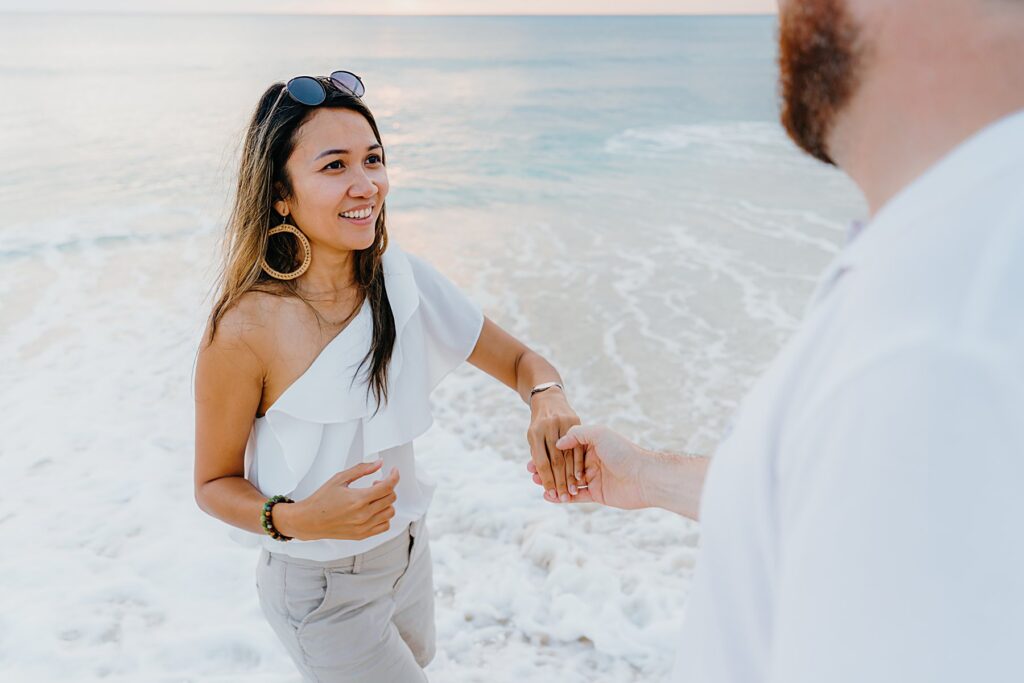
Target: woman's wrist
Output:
{"points": [[289, 520], [553, 396]]}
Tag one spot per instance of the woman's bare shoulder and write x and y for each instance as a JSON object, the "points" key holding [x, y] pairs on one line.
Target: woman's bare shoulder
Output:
{"points": [[250, 322]]}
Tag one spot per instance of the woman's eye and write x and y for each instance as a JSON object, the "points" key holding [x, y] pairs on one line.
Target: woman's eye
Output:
{"points": [[334, 166], [373, 159]]}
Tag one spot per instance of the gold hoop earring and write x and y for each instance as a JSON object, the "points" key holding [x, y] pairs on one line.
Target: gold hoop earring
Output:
{"points": [[285, 227]]}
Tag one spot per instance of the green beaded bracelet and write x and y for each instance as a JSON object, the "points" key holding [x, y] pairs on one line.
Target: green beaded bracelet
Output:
{"points": [[267, 519]]}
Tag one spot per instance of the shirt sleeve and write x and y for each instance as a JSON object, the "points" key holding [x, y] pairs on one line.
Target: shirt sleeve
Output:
{"points": [[451, 321], [899, 515]]}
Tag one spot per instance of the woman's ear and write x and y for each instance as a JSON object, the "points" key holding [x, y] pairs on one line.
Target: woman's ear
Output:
{"points": [[280, 205]]}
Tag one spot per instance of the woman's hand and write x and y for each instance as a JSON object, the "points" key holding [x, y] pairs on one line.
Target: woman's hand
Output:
{"points": [[337, 511], [613, 472], [508, 360], [560, 472]]}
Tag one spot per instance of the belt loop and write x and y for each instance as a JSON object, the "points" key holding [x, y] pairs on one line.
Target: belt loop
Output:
{"points": [[357, 563]]}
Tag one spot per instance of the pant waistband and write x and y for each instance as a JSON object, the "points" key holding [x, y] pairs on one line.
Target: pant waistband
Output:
{"points": [[401, 541]]}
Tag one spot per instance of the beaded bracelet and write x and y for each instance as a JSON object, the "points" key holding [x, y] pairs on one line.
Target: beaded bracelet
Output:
{"points": [[267, 519]]}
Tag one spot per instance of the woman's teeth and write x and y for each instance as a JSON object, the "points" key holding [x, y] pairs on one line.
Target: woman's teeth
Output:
{"points": [[358, 215]]}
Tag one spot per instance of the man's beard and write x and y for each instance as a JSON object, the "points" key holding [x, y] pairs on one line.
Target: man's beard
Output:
{"points": [[819, 67]]}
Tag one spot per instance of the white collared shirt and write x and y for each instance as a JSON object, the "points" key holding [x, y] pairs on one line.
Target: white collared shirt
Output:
{"points": [[863, 521], [325, 422]]}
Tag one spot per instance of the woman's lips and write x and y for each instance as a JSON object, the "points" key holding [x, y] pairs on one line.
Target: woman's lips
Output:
{"points": [[361, 216], [358, 221]]}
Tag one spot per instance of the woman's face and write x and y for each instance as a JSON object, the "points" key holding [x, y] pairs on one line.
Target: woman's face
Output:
{"points": [[338, 180]]}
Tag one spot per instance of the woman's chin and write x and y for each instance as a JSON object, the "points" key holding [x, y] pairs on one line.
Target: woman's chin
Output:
{"points": [[367, 242], [355, 241]]}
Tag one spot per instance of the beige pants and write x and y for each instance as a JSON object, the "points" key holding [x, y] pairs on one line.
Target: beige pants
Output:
{"points": [[362, 619]]}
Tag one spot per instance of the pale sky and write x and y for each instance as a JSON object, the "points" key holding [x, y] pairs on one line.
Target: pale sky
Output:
{"points": [[399, 6]]}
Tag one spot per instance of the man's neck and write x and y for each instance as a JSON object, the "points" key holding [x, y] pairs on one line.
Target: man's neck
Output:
{"points": [[917, 103]]}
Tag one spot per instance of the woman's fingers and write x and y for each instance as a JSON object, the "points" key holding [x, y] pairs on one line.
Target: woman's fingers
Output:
{"points": [[555, 478], [384, 503], [379, 529], [575, 464], [540, 462], [381, 516], [557, 461]]}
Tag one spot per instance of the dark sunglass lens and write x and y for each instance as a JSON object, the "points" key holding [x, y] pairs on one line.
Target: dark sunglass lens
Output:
{"points": [[307, 90], [348, 81]]}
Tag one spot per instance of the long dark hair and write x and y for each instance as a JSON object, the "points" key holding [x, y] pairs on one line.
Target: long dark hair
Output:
{"points": [[269, 141]]}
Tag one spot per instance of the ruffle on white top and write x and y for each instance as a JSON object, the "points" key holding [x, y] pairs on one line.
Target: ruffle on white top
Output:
{"points": [[325, 422]]}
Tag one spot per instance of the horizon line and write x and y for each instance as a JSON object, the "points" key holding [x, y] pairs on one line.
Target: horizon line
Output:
{"points": [[392, 14]]}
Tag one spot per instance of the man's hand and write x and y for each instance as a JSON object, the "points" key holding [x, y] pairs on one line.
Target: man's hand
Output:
{"points": [[612, 467], [620, 474]]}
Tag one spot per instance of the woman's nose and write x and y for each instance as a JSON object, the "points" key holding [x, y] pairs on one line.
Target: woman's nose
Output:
{"points": [[362, 186]]}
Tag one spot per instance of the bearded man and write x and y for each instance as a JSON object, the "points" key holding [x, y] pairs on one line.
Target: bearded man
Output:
{"points": [[862, 521]]}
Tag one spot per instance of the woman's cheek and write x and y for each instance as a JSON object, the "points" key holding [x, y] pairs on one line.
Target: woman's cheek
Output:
{"points": [[381, 181]]}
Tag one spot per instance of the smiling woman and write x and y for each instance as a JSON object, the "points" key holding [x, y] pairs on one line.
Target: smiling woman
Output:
{"points": [[314, 379]]}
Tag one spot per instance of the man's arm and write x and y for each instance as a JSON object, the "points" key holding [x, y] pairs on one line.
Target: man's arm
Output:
{"points": [[620, 474], [674, 481]]}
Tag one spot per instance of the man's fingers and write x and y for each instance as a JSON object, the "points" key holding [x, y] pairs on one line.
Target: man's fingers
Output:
{"points": [[578, 435], [578, 462], [570, 472], [582, 496]]}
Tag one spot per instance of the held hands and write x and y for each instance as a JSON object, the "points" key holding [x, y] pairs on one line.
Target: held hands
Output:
{"points": [[335, 510], [560, 473], [611, 470]]}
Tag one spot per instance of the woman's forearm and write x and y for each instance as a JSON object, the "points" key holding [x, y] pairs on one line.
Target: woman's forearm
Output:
{"points": [[533, 369], [237, 502], [673, 481]]}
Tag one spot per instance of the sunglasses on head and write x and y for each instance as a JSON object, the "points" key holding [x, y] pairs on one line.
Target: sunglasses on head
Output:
{"points": [[310, 90]]}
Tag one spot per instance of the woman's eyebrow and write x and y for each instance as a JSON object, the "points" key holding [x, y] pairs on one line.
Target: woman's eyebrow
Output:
{"points": [[329, 152]]}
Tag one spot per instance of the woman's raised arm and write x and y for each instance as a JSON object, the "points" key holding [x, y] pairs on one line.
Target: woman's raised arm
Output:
{"points": [[511, 362]]}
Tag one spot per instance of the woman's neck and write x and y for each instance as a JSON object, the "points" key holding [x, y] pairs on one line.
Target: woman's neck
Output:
{"points": [[329, 279]]}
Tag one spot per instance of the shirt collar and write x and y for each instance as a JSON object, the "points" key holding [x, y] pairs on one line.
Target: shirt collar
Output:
{"points": [[990, 152]]}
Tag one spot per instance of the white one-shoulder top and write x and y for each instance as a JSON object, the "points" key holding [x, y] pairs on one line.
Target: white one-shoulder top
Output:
{"points": [[324, 422]]}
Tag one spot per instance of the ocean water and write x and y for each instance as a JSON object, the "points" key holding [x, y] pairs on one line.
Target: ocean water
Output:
{"points": [[615, 191]]}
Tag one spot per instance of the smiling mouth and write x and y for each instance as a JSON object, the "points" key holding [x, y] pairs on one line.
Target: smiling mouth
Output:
{"points": [[359, 215]]}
